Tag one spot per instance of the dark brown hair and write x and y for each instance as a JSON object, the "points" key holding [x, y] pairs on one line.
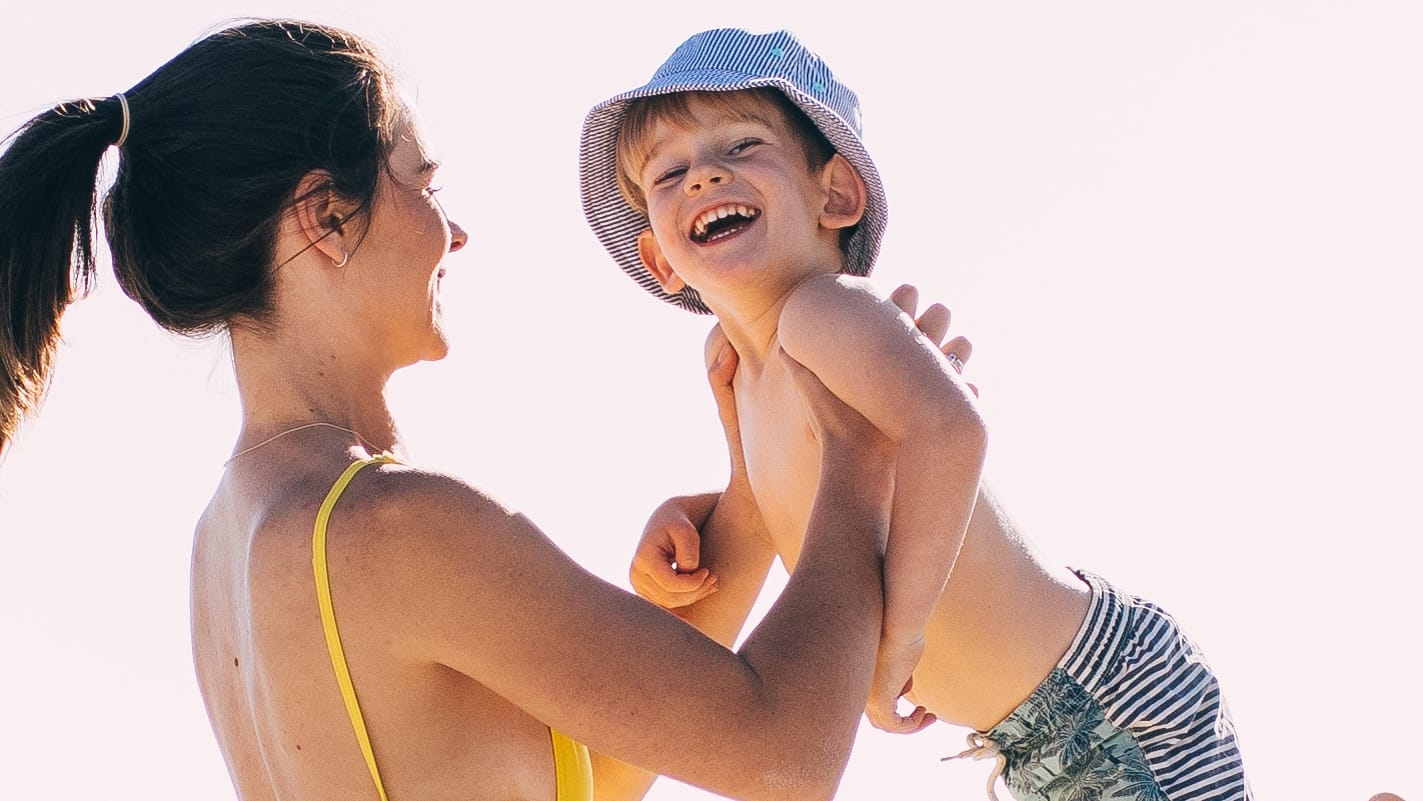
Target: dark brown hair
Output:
{"points": [[219, 138]]}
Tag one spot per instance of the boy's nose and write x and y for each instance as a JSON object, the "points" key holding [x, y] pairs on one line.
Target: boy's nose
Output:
{"points": [[702, 178]]}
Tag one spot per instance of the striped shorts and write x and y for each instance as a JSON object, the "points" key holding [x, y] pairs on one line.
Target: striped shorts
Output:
{"points": [[1132, 711]]}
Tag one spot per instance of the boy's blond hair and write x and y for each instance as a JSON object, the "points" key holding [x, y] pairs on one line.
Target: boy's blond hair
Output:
{"points": [[644, 113]]}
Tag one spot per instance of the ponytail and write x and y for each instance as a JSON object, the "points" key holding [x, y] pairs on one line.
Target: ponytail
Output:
{"points": [[222, 134], [48, 188]]}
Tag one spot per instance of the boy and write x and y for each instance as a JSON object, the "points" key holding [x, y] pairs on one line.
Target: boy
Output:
{"points": [[735, 182]]}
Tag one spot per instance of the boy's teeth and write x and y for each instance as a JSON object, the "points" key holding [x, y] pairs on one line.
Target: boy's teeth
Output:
{"points": [[699, 227]]}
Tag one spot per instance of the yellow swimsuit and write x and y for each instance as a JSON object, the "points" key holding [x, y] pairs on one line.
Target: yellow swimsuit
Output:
{"points": [[572, 769]]}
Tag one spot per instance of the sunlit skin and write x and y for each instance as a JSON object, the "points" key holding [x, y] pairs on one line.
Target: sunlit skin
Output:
{"points": [[1006, 616], [468, 633]]}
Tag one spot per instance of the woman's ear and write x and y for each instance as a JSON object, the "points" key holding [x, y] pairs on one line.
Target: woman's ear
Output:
{"points": [[844, 193], [322, 217], [651, 255]]}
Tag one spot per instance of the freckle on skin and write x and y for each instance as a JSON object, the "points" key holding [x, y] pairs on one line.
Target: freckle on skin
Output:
{"points": [[234, 661]]}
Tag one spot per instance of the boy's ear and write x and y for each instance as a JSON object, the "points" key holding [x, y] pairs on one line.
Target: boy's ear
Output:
{"points": [[323, 217], [844, 193], [651, 255]]}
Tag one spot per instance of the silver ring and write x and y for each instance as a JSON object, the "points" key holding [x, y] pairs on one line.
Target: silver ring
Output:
{"points": [[954, 361]]}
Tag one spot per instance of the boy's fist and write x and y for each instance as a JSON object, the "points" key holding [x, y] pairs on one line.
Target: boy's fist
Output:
{"points": [[666, 566], [894, 678]]}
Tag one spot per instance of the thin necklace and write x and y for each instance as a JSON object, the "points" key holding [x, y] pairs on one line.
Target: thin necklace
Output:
{"points": [[293, 430]]}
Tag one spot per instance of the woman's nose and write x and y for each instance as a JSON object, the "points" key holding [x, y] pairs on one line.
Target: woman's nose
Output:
{"points": [[458, 237]]}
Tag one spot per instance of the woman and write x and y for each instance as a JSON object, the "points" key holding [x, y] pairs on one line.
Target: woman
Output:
{"points": [[363, 628]]}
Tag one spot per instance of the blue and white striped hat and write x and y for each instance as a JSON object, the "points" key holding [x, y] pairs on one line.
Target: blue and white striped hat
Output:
{"points": [[726, 60]]}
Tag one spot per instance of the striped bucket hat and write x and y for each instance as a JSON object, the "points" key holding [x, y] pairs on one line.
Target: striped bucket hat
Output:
{"points": [[726, 60]]}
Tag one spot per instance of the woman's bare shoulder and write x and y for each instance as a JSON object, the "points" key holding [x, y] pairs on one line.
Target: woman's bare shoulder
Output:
{"points": [[408, 507], [389, 519]]}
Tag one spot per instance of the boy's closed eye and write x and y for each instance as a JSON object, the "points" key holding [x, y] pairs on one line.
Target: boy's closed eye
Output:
{"points": [[743, 145], [737, 148], [669, 174]]}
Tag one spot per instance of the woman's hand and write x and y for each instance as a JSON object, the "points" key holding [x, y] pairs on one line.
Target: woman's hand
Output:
{"points": [[934, 325], [846, 438], [722, 360]]}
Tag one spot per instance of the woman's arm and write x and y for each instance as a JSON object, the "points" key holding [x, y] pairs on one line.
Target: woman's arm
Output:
{"points": [[722, 556], [460, 581]]}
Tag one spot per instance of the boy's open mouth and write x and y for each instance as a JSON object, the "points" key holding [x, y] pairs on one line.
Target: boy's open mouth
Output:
{"points": [[722, 221]]}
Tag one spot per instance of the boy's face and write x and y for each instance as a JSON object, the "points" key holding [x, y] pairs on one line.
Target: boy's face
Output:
{"points": [[733, 202]]}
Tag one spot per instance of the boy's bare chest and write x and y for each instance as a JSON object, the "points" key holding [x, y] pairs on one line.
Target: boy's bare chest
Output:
{"points": [[782, 456]]}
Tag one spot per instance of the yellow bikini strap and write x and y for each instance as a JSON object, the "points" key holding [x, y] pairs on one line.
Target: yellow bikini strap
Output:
{"points": [[328, 613], [572, 768]]}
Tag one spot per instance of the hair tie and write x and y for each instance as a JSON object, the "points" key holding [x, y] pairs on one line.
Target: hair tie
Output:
{"points": [[123, 132]]}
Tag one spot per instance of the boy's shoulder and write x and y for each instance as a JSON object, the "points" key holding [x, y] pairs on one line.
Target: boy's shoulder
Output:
{"points": [[842, 311], [826, 287], [817, 306]]}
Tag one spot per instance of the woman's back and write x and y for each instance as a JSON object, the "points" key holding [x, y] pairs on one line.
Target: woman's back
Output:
{"points": [[267, 677]]}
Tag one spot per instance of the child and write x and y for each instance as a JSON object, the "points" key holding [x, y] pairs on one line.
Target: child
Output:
{"points": [[735, 183]]}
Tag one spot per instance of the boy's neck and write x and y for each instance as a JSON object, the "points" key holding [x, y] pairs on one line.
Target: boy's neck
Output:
{"points": [[751, 321], [753, 337]]}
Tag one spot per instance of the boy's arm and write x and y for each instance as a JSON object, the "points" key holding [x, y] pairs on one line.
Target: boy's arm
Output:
{"points": [[704, 558], [735, 557], [869, 353], [718, 543]]}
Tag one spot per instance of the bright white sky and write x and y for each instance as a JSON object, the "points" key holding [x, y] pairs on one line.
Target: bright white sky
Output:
{"points": [[1185, 238]]}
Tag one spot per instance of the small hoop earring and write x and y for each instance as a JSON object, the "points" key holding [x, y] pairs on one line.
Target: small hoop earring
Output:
{"points": [[345, 257]]}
